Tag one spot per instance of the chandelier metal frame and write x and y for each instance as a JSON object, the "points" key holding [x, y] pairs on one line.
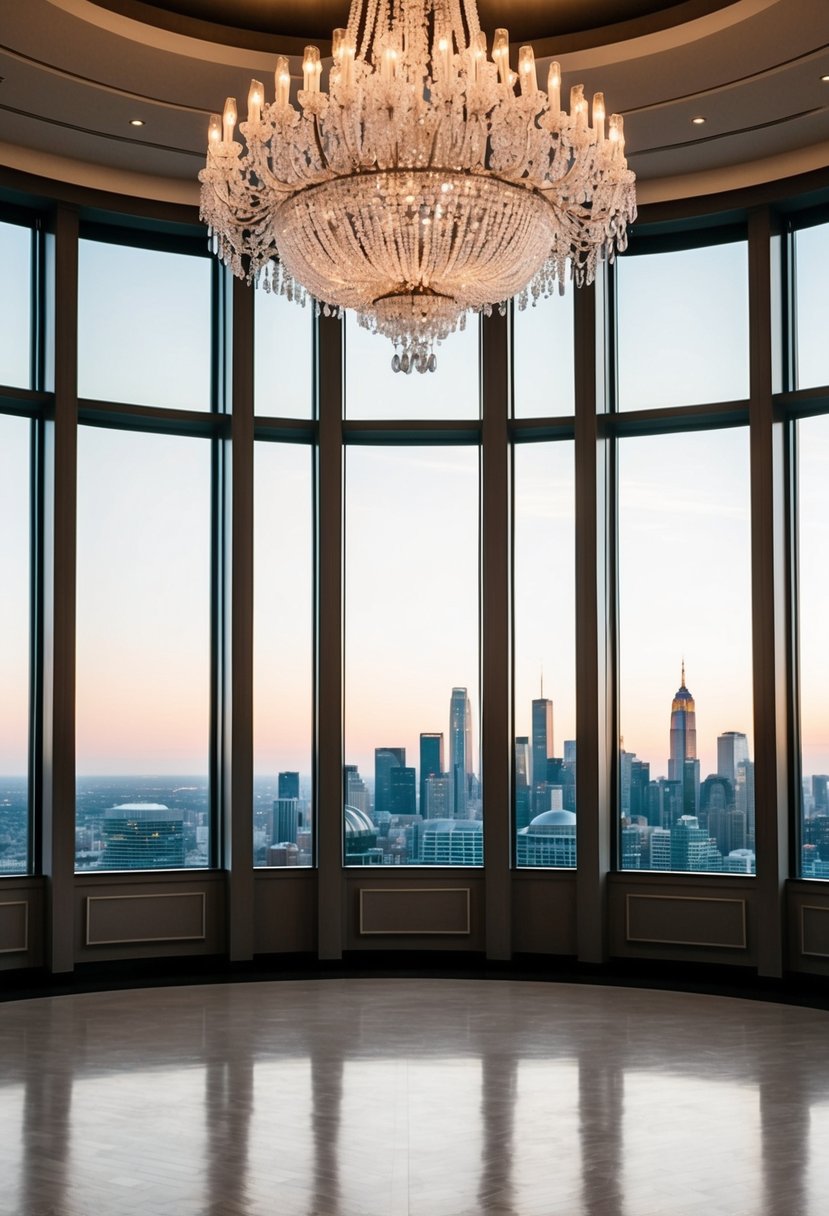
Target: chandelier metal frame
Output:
{"points": [[430, 180]]}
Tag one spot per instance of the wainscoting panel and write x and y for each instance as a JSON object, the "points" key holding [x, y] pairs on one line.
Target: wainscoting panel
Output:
{"points": [[544, 912], [686, 920], [423, 911], [814, 930], [285, 917], [177, 916], [14, 926]]}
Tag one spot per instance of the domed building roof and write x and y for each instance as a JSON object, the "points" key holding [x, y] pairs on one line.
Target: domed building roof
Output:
{"points": [[553, 819], [357, 821]]}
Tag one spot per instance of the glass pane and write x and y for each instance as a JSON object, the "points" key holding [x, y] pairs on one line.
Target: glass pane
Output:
{"points": [[283, 364], [283, 667], [812, 271], [813, 596], [543, 358], [686, 777], [683, 327], [545, 658], [412, 783], [16, 306], [373, 390], [143, 326], [143, 651], [14, 645]]}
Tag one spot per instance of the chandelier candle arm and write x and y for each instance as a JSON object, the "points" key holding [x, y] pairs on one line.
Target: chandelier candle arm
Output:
{"points": [[427, 182]]}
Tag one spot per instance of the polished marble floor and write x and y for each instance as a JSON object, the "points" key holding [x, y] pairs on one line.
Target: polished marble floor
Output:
{"points": [[409, 1097]]}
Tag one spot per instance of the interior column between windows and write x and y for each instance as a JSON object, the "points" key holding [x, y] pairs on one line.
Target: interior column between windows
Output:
{"points": [[769, 621], [495, 665], [594, 729], [329, 635], [59, 542], [237, 736]]}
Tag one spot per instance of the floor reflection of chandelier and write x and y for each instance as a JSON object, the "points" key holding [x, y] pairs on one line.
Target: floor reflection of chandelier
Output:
{"points": [[429, 180]]}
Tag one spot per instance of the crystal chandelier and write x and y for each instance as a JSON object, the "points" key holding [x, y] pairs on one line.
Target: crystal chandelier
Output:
{"points": [[427, 182]]}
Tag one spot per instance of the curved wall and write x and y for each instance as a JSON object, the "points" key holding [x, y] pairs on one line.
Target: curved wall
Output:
{"points": [[774, 922]]}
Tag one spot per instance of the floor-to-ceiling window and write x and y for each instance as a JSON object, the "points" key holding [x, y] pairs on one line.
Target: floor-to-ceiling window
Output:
{"points": [[412, 780], [16, 243], [283, 662], [810, 265], [145, 657], [685, 772], [543, 533]]}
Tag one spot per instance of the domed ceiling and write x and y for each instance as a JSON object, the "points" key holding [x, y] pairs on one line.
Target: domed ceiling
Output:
{"points": [[527, 20], [77, 73]]}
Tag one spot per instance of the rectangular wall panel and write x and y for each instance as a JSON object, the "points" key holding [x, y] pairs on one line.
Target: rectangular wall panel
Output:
{"points": [[422, 911], [14, 926], [687, 920], [121, 919], [814, 930]]}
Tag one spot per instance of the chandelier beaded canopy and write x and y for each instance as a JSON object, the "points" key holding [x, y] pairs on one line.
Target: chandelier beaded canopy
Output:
{"points": [[429, 181]]}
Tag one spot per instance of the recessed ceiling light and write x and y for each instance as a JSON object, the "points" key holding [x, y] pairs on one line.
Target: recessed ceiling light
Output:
{"points": [[825, 78], [698, 121], [136, 122]]}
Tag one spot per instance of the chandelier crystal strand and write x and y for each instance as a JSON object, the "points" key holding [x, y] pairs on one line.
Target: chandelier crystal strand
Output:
{"points": [[427, 182]]}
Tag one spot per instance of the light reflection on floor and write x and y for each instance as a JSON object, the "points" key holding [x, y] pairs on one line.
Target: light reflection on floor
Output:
{"points": [[412, 1098]]}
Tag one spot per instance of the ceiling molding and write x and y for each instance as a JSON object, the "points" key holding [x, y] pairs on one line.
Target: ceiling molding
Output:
{"points": [[167, 40], [168, 190], [734, 177], [64, 74], [635, 45], [99, 177]]}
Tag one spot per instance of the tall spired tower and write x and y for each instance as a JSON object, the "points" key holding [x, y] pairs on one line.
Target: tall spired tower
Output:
{"points": [[460, 748], [683, 765], [683, 730]]}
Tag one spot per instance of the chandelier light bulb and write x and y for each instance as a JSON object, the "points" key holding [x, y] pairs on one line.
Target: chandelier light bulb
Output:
{"points": [[526, 70], [554, 90], [429, 181], [338, 40], [229, 120], [598, 116], [311, 69], [256, 96], [282, 78], [500, 53]]}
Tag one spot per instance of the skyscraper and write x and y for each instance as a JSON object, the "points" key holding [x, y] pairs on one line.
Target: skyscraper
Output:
{"points": [[287, 785], [683, 730], [692, 848], [438, 801], [403, 786], [522, 782], [460, 748], [285, 820], [732, 748], [385, 759], [143, 836], [522, 760], [431, 761], [683, 765], [355, 792], [542, 737]]}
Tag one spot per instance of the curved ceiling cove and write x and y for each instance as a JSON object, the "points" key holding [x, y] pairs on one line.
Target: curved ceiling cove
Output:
{"points": [[715, 93], [571, 22]]}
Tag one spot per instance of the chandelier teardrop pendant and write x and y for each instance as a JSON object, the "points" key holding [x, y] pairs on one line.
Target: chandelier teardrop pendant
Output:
{"points": [[429, 181]]}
